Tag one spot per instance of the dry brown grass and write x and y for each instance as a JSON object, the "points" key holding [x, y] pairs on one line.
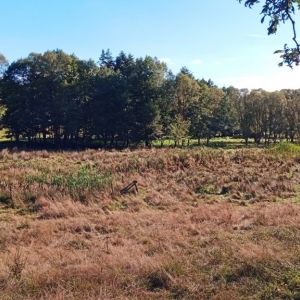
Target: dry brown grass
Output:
{"points": [[205, 224]]}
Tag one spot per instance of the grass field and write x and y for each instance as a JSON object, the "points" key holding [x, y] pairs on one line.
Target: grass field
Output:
{"points": [[204, 224], [218, 142]]}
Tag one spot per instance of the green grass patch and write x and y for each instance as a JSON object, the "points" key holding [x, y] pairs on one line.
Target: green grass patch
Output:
{"points": [[85, 177], [285, 148], [218, 142]]}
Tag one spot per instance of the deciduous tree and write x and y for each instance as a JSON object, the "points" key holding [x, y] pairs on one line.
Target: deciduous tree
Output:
{"points": [[281, 11]]}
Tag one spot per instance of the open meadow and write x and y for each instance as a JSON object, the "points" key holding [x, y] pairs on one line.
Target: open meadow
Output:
{"points": [[203, 224]]}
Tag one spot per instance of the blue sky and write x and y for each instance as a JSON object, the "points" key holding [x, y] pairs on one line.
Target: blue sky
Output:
{"points": [[217, 39]]}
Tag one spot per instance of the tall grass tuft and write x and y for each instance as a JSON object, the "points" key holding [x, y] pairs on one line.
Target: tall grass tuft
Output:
{"points": [[86, 178]]}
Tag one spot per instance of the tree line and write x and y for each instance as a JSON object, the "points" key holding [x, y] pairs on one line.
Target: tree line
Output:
{"points": [[59, 99]]}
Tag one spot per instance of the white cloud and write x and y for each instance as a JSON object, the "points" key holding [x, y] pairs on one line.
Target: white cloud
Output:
{"points": [[218, 63], [165, 60], [197, 61], [283, 78]]}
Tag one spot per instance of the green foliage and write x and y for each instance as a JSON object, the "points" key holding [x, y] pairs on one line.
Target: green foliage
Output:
{"points": [[3, 63], [179, 129], [285, 148]]}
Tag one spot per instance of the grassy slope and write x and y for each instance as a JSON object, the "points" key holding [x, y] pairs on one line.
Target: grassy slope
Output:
{"points": [[205, 224]]}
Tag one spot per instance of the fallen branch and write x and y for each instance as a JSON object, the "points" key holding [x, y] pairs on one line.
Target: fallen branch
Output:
{"points": [[128, 187]]}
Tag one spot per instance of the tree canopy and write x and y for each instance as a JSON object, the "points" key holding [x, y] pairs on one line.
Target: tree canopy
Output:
{"points": [[281, 11], [60, 100], [3, 63]]}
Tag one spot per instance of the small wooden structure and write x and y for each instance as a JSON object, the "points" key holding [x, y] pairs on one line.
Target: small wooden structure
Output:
{"points": [[128, 187]]}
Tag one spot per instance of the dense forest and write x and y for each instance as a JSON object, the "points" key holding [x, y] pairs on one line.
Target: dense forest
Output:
{"points": [[56, 98]]}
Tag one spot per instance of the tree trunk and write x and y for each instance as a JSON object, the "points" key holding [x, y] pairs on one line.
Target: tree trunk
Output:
{"points": [[44, 137], [112, 140]]}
